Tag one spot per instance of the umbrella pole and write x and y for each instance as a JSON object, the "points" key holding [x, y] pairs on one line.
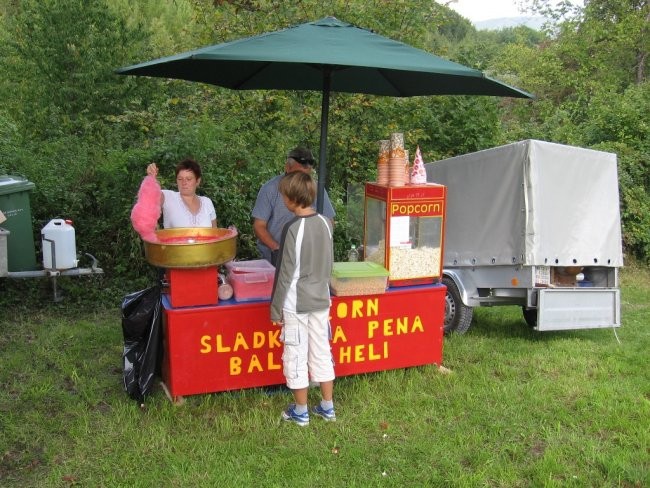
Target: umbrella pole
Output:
{"points": [[322, 153]]}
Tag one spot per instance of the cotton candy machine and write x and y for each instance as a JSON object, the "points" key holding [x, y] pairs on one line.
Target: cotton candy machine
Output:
{"points": [[191, 247]]}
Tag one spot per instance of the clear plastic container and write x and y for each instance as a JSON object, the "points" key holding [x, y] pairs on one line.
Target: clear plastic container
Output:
{"points": [[251, 280], [251, 266], [361, 278], [252, 286]]}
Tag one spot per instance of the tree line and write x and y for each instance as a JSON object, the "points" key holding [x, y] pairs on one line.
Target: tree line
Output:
{"points": [[83, 135]]}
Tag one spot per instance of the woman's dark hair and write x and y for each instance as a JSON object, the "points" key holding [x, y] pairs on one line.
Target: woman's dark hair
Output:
{"points": [[191, 165]]}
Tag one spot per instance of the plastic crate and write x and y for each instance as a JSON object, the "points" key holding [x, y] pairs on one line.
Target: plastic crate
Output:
{"points": [[252, 286], [252, 266], [362, 278]]}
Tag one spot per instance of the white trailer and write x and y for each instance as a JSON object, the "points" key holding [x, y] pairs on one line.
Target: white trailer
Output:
{"points": [[534, 224]]}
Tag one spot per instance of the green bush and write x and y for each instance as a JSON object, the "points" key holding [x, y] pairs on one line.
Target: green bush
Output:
{"points": [[84, 135]]}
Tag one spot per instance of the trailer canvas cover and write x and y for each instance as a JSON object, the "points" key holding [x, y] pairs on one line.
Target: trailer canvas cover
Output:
{"points": [[533, 203]]}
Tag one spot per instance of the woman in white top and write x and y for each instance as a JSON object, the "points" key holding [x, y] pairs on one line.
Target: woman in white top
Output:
{"points": [[184, 208]]}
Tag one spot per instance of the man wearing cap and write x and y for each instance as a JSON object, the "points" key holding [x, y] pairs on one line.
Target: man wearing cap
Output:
{"points": [[270, 214]]}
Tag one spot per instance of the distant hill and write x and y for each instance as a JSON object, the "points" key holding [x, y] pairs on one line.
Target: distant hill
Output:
{"points": [[504, 22]]}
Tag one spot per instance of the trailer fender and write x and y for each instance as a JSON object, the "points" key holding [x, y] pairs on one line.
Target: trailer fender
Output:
{"points": [[465, 285], [458, 316]]}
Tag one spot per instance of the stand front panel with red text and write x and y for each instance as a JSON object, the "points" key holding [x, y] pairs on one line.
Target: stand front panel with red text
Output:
{"points": [[233, 346]]}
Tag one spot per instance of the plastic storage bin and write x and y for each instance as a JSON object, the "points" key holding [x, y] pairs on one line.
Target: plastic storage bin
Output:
{"points": [[251, 280], [361, 278], [14, 204], [252, 266]]}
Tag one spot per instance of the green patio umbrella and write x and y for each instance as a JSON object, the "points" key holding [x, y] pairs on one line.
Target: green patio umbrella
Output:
{"points": [[326, 55]]}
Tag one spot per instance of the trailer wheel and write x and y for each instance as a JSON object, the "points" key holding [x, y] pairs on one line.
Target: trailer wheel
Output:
{"points": [[458, 316], [530, 316]]}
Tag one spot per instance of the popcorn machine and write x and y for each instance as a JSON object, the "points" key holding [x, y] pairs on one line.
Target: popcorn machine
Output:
{"points": [[404, 229]]}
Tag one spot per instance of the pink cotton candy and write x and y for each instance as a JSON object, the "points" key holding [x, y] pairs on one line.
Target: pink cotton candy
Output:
{"points": [[146, 211]]}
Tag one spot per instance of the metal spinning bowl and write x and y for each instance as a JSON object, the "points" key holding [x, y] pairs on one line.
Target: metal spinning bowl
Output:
{"points": [[191, 247]]}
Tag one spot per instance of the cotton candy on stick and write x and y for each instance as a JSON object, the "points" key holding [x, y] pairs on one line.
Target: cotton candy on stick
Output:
{"points": [[147, 209]]}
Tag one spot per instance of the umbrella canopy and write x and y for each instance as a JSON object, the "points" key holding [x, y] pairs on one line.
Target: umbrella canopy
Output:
{"points": [[325, 55]]}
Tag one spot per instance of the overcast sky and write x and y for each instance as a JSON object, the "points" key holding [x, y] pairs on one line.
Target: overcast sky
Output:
{"points": [[477, 10]]}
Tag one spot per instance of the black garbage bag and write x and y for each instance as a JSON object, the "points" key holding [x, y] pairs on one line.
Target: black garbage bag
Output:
{"points": [[142, 331]]}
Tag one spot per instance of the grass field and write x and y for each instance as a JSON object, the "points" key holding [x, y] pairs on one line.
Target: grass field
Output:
{"points": [[519, 409]]}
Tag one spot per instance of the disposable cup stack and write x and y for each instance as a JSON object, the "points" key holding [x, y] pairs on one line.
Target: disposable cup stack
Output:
{"points": [[397, 145], [407, 168], [397, 160], [382, 162]]}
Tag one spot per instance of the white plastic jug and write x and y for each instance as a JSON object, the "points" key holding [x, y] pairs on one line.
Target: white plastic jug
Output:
{"points": [[59, 248]]}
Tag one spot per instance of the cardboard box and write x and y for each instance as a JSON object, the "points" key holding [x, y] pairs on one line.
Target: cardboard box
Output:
{"points": [[564, 276], [361, 278]]}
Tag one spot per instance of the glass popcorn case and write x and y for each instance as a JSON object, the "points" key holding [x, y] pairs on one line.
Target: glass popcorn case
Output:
{"points": [[403, 231]]}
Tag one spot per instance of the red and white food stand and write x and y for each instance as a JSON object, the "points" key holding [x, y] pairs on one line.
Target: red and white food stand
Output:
{"points": [[213, 345], [234, 345]]}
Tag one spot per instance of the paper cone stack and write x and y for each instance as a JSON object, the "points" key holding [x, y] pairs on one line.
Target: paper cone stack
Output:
{"points": [[397, 160], [397, 145], [382, 162], [407, 168]]}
